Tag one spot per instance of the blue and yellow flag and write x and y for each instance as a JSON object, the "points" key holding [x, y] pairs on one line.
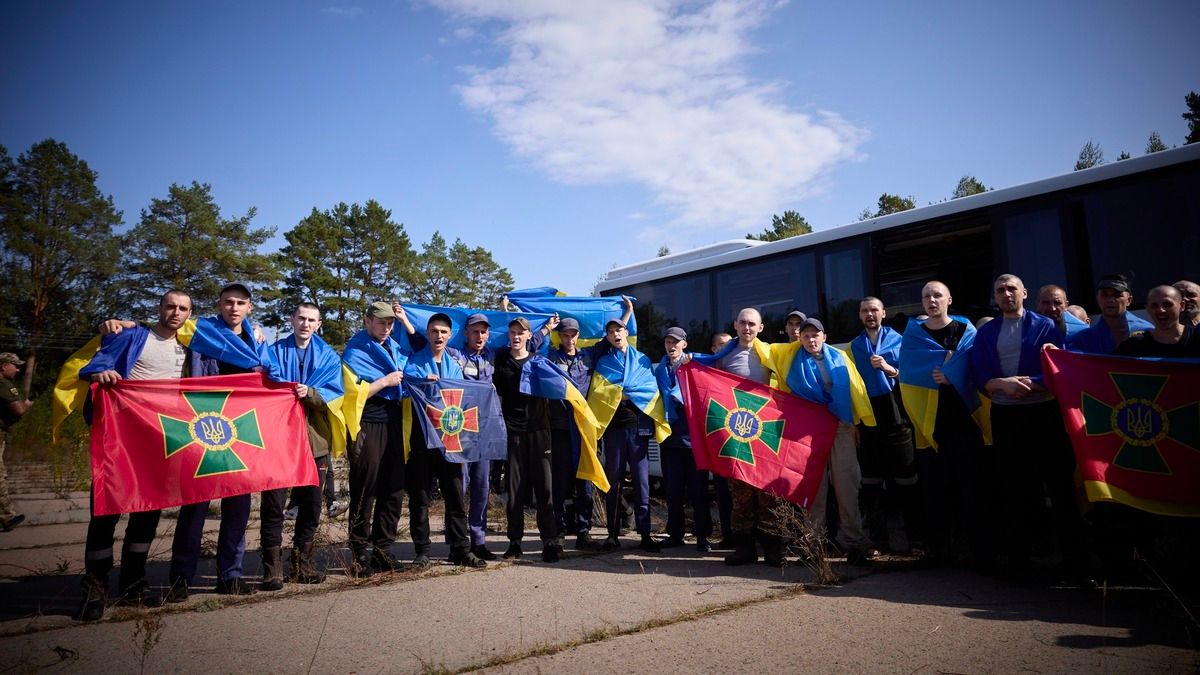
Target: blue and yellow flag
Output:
{"points": [[320, 368], [497, 321], [848, 401], [364, 361], [462, 418], [591, 313], [540, 377], [214, 339], [627, 374], [862, 349], [919, 355]]}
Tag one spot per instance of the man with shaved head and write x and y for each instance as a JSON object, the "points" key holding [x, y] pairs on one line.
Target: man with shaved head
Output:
{"points": [[1170, 337], [1189, 291], [1028, 436], [1052, 303]]}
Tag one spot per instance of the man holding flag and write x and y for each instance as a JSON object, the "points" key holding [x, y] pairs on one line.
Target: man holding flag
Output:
{"points": [[377, 463], [222, 345], [304, 358], [565, 439], [425, 463], [678, 462], [823, 375], [137, 353]]}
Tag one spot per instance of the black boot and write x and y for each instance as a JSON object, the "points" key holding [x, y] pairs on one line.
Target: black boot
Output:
{"points": [[135, 592], [303, 571], [95, 596], [745, 551], [272, 575], [772, 550]]}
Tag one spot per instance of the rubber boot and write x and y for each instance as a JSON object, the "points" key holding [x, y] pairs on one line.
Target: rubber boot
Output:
{"points": [[303, 571], [745, 550], [272, 576]]}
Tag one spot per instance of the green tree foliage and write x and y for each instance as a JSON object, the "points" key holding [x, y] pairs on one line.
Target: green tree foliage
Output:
{"points": [[342, 259], [1090, 155], [1155, 143], [457, 275], [59, 250], [1192, 116], [782, 227], [968, 185], [1123, 156], [183, 242], [664, 251], [888, 204]]}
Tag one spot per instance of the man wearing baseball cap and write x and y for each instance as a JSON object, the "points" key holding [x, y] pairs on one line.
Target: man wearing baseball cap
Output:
{"points": [[565, 440], [678, 462], [12, 406], [1116, 322]]}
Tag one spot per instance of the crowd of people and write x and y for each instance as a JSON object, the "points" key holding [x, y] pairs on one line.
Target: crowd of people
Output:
{"points": [[893, 459]]}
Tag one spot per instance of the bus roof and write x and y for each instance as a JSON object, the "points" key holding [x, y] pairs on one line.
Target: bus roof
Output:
{"points": [[737, 250]]}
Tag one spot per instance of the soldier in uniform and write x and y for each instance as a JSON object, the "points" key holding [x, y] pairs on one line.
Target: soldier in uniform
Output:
{"points": [[12, 406]]}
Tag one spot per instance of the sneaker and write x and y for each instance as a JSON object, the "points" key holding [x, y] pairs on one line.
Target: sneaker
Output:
{"points": [[383, 561], [12, 521], [702, 545], [514, 551], [650, 544], [584, 542], [178, 592], [611, 544], [468, 560], [291, 513], [234, 586], [336, 509], [482, 552], [671, 542], [551, 553], [422, 562], [94, 599]]}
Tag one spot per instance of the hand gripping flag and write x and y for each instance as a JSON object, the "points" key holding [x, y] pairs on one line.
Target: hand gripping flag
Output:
{"points": [[497, 322], [919, 355], [1134, 425], [591, 313], [322, 369], [111, 352], [627, 374], [162, 443], [757, 434], [540, 377], [462, 418]]}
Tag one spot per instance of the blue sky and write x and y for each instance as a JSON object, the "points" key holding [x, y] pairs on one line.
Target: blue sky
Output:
{"points": [[587, 133]]}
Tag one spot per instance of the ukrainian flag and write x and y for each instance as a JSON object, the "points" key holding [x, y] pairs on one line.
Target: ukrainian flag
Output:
{"points": [[541, 378], [919, 355], [323, 371], [626, 374], [363, 362], [591, 313], [497, 320]]}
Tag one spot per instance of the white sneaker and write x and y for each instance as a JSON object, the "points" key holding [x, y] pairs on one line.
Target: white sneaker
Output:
{"points": [[336, 509], [290, 514]]}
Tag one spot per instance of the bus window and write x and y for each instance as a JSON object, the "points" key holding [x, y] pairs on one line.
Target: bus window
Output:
{"points": [[775, 286], [842, 272], [1035, 253]]}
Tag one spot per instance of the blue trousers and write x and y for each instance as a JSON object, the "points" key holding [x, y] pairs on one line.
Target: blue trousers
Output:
{"points": [[623, 447], [478, 476], [564, 456], [231, 540], [680, 474]]}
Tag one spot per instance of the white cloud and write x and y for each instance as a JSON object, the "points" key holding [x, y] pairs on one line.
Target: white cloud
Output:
{"points": [[343, 11], [653, 93]]}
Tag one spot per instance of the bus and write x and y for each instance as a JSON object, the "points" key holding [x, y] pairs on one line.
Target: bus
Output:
{"points": [[1139, 217]]}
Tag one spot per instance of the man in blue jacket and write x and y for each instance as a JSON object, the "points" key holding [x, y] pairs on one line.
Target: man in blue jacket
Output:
{"points": [[1116, 322], [1030, 442]]}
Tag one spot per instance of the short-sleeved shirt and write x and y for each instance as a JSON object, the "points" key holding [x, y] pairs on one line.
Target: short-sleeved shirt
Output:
{"points": [[1144, 344], [161, 359], [744, 361], [9, 394]]}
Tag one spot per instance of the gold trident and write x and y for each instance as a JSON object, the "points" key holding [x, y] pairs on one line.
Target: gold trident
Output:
{"points": [[743, 425], [214, 432], [1139, 419]]}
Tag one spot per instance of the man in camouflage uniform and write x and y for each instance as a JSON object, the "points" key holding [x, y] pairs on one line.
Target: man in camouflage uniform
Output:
{"points": [[12, 406]]}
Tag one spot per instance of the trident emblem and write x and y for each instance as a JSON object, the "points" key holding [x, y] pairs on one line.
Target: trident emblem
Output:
{"points": [[214, 431], [1139, 419]]}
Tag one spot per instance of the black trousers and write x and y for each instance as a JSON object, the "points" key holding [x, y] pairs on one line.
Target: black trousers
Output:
{"points": [[955, 490], [1035, 460], [101, 533], [376, 484], [425, 465], [889, 481], [529, 474], [306, 498]]}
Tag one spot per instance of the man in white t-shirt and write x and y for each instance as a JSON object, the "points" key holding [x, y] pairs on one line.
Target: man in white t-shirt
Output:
{"points": [[136, 353]]}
